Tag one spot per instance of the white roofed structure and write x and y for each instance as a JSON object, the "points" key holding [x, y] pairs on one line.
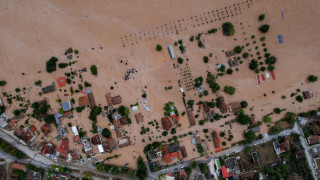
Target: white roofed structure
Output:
{"points": [[171, 52]]}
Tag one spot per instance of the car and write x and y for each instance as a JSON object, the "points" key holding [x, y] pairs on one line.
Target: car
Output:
{"points": [[207, 157], [182, 167], [175, 169]]}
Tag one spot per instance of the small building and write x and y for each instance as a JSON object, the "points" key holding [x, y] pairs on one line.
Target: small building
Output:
{"points": [[57, 118], [18, 166], [117, 128], [122, 121], [190, 115], [281, 147], [215, 139], [317, 163], [314, 128], [96, 139], [135, 108], [27, 136], [12, 124], [86, 146], [76, 139], [255, 129], [83, 101], [75, 130], [49, 89], [109, 145], [66, 106], [116, 100], [307, 94], [124, 142], [109, 99], [166, 123], [234, 106], [101, 149], [48, 149], [233, 63], [63, 149], [155, 154], [183, 151], [91, 100], [74, 155], [34, 175], [313, 139], [62, 130], [171, 52], [223, 105], [61, 81], [200, 89], [225, 172], [315, 151], [46, 129], [302, 120], [138, 117], [253, 121]]}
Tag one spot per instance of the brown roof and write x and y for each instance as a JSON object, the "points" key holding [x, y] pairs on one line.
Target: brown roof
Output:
{"points": [[223, 105], [215, 139], [83, 101], [234, 106], [307, 94], [198, 139], [116, 100], [89, 152], [206, 108], [92, 103], [253, 121], [314, 128], [27, 135], [122, 121], [166, 123], [165, 150], [124, 142], [180, 155], [317, 161], [46, 129], [48, 149], [76, 139], [109, 144], [109, 99], [139, 117], [190, 115], [18, 132], [247, 175], [96, 139], [18, 166], [314, 139], [116, 128], [183, 151], [12, 124], [74, 154], [285, 146]]}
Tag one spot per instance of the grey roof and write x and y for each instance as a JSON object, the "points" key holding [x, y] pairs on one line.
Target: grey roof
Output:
{"points": [[66, 106], [62, 130], [49, 89], [232, 163], [153, 154], [34, 175], [171, 52], [254, 129], [57, 116], [173, 147], [315, 151]]}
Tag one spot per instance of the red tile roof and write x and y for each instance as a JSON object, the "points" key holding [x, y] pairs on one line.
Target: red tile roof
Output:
{"points": [[63, 148], [33, 128], [174, 154], [61, 81], [225, 172], [83, 101], [138, 117], [166, 158], [45, 129], [166, 123]]}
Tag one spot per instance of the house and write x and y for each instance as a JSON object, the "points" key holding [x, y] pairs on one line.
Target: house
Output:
{"points": [[46, 129], [49, 89], [63, 149], [48, 149], [117, 128], [96, 139], [61, 81], [225, 172], [307, 94], [313, 139], [171, 52], [281, 147], [212, 169], [57, 118], [27, 135], [75, 130], [12, 124], [155, 154], [233, 63], [200, 89], [190, 115], [135, 108], [74, 155], [230, 53], [3, 120], [171, 150], [314, 128], [18, 132], [247, 175], [253, 121], [183, 151], [166, 123], [92, 103], [86, 146], [207, 114], [124, 142], [100, 148], [255, 129], [223, 105], [109, 98], [173, 147], [66, 106], [62, 130], [122, 121], [216, 140], [34, 175], [109, 145], [138, 117], [18, 166], [234, 106], [317, 163], [76, 139], [232, 165], [83, 101], [315, 151], [116, 100]]}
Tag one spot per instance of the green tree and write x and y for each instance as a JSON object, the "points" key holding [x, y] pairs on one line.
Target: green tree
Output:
{"points": [[271, 60], [229, 71], [180, 60], [222, 134], [229, 89], [270, 67], [290, 117], [244, 104], [198, 81], [205, 92], [248, 149], [267, 119], [190, 102], [173, 131], [205, 59], [51, 64], [2, 83], [142, 169], [124, 111], [200, 148], [94, 70], [2, 109], [245, 55], [159, 47], [38, 83], [264, 28], [250, 135], [243, 119], [237, 49], [88, 175], [277, 110], [49, 119], [276, 129], [164, 133], [106, 133], [312, 78], [228, 28], [253, 64], [62, 65], [261, 17], [94, 113], [299, 98]]}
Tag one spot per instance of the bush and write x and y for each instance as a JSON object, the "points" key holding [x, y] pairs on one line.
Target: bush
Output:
{"points": [[253, 64], [229, 71], [164, 133], [312, 78], [270, 68], [264, 28], [76, 51], [159, 47], [142, 169], [277, 110], [200, 148], [261, 17], [180, 60], [262, 39], [2, 83], [244, 104], [198, 81], [38, 83], [299, 98], [191, 38], [86, 84], [106, 133], [51, 64], [228, 28], [237, 49], [94, 70], [212, 31], [267, 119], [229, 89], [250, 136], [62, 65], [271, 60], [200, 44], [205, 59], [262, 68], [70, 50], [69, 124], [245, 55], [222, 134], [190, 102], [205, 92]]}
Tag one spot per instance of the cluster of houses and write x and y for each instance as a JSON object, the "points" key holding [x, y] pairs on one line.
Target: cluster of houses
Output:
{"points": [[168, 153]]}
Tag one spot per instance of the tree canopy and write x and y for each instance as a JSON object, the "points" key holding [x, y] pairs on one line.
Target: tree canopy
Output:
{"points": [[159, 47], [142, 169], [238, 49], [106, 133], [261, 17], [124, 111], [244, 104], [198, 81], [2, 83], [264, 28], [94, 70], [51, 64], [250, 135], [229, 89], [312, 78], [49, 119], [228, 28]]}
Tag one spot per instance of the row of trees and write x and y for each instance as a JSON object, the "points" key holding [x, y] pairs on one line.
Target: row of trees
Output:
{"points": [[13, 152]]}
